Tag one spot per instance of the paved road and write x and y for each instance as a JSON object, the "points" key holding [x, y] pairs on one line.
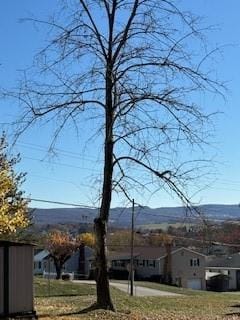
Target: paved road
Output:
{"points": [[138, 291]]}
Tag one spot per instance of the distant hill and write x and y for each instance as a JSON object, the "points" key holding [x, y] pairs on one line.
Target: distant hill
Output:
{"points": [[122, 216]]}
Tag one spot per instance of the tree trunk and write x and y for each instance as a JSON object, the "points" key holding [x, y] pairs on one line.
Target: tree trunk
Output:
{"points": [[103, 291], [58, 267]]}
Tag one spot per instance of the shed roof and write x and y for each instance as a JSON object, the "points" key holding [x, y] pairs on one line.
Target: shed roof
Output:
{"points": [[7, 243]]}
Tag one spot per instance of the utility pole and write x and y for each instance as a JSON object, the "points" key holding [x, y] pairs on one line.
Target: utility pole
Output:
{"points": [[132, 244]]}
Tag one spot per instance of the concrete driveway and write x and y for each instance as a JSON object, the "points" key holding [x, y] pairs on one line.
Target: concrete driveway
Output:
{"points": [[138, 290]]}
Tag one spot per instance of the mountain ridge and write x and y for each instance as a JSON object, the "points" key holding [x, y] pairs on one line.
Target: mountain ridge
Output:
{"points": [[143, 215]]}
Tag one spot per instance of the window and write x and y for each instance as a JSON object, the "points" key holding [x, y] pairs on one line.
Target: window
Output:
{"points": [[119, 263], [39, 264], [152, 263], [122, 263], [194, 262], [141, 262]]}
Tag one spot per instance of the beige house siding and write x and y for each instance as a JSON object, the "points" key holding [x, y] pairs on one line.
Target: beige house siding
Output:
{"points": [[20, 278], [187, 267], [1, 281], [183, 271]]}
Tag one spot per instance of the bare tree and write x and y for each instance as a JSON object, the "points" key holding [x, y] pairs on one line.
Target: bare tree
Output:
{"points": [[137, 68]]}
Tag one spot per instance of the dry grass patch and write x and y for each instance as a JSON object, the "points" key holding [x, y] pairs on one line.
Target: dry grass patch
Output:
{"points": [[194, 305]]}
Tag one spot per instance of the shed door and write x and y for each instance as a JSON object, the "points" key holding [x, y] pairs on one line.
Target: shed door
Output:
{"points": [[195, 284], [1, 281], [20, 279]]}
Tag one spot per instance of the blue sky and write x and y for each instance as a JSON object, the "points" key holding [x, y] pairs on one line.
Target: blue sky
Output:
{"points": [[67, 176]]}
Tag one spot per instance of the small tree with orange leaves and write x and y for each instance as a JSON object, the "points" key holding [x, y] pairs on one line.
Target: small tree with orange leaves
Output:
{"points": [[60, 246]]}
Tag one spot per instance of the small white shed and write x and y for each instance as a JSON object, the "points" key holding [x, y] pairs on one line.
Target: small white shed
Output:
{"points": [[16, 280]]}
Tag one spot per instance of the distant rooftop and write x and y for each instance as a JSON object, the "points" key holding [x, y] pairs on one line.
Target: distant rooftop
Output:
{"points": [[231, 261], [41, 255]]}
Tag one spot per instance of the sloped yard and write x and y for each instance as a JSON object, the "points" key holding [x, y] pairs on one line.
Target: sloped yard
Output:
{"points": [[66, 301]]}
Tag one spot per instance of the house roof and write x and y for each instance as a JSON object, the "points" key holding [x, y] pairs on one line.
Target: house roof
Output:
{"points": [[148, 253], [232, 261], [140, 252], [41, 255], [175, 250]]}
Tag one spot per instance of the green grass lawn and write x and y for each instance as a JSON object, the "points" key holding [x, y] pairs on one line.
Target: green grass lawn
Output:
{"points": [[67, 299], [163, 287], [54, 288]]}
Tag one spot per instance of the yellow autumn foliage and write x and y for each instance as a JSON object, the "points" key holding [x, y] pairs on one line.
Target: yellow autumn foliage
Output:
{"points": [[13, 208], [87, 238]]}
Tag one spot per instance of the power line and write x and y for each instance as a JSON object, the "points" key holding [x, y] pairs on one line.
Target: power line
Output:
{"points": [[77, 185], [206, 241], [168, 216], [60, 164], [62, 203], [61, 151], [92, 159], [180, 238], [95, 207], [189, 217], [228, 181]]}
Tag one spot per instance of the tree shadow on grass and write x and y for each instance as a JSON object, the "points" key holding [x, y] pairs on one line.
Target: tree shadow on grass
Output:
{"points": [[234, 313], [64, 314], [63, 295], [235, 306], [91, 308], [230, 314]]}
